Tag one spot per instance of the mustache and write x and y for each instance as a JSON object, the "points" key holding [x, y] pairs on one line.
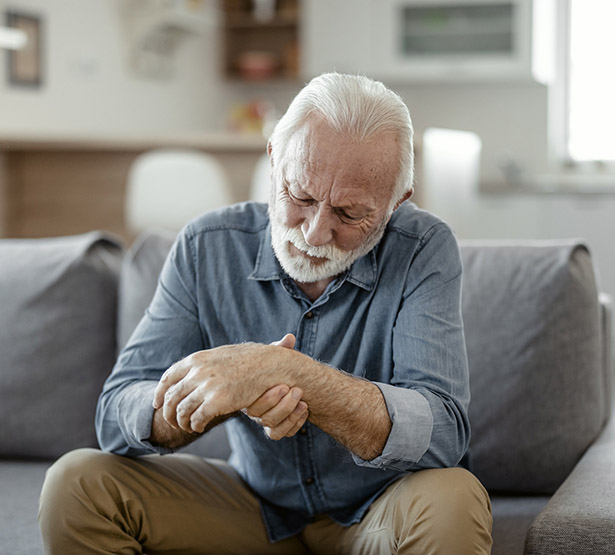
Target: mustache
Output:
{"points": [[330, 252]]}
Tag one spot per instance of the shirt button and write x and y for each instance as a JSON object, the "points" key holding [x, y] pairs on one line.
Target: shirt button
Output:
{"points": [[309, 315], [303, 431], [308, 481]]}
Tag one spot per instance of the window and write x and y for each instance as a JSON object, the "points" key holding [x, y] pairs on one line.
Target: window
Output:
{"points": [[589, 81]]}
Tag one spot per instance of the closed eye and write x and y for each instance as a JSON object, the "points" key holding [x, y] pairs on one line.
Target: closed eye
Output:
{"points": [[348, 217], [304, 201]]}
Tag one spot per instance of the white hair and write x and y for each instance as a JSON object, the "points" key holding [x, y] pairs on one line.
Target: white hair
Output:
{"points": [[354, 105]]}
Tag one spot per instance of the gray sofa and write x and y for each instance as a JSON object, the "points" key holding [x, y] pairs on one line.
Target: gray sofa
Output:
{"points": [[539, 346]]}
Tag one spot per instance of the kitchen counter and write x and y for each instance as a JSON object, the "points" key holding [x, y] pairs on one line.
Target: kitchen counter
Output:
{"points": [[66, 184]]}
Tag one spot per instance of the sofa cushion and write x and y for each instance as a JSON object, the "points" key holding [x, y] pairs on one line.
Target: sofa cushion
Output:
{"points": [[20, 483], [57, 339], [532, 324], [512, 518]]}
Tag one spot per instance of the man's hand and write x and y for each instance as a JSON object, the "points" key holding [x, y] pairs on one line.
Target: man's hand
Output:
{"points": [[220, 381], [280, 411]]}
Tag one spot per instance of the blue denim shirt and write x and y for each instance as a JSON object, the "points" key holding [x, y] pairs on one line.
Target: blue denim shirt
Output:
{"points": [[393, 318]]}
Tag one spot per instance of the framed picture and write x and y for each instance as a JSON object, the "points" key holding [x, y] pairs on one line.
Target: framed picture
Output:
{"points": [[25, 66]]}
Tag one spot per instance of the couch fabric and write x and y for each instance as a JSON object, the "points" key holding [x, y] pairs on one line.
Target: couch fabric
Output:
{"points": [[538, 361], [58, 299], [532, 321]]}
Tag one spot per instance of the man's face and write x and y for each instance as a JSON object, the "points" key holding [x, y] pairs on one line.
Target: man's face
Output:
{"points": [[331, 200]]}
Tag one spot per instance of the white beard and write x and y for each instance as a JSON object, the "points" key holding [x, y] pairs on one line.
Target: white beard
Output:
{"points": [[304, 270]]}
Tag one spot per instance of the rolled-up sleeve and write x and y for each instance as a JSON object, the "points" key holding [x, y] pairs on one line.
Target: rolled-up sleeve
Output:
{"points": [[408, 410], [169, 331], [428, 395]]}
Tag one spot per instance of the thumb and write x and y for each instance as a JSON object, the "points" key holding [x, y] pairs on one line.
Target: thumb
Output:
{"points": [[287, 341]]}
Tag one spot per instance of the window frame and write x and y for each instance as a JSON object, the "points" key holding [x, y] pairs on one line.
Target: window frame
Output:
{"points": [[559, 107]]}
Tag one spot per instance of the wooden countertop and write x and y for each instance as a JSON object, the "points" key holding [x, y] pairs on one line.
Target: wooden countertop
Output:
{"points": [[222, 141]]}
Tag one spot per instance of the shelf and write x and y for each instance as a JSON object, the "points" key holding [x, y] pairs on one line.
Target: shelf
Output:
{"points": [[243, 21], [257, 50]]}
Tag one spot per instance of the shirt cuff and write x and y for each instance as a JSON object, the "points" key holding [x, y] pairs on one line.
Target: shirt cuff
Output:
{"points": [[412, 425], [135, 412]]}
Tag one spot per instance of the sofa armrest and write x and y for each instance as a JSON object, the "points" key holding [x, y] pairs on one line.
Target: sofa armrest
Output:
{"points": [[580, 517]]}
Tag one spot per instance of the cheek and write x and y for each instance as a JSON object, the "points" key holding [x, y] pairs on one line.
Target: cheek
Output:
{"points": [[352, 237], [349, 238]]}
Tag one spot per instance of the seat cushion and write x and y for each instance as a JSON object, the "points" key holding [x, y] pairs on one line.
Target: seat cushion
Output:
{"points": [[57, 339], [532, 324], [512, 518], [20, 484]]}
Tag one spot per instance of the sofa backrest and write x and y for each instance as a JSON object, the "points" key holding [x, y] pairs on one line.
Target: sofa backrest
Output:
{"points": [[533, 330], [58, 300]]}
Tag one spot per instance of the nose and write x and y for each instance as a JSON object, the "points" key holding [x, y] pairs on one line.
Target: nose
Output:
{"points": [[318, 227]]}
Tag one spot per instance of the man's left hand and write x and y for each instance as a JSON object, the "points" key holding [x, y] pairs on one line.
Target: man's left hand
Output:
{"points": [[216, 382]]}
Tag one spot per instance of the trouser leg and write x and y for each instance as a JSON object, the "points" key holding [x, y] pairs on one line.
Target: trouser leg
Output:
{"points": [[431, 512], [94, 502]]}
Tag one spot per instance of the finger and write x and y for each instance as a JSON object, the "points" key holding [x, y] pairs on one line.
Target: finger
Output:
{"points": [[173, 397], [186, 408], [291, 425], [200, 417], [267, 400], [282, 410], [300, 422], [173, 375], [287, 341]]}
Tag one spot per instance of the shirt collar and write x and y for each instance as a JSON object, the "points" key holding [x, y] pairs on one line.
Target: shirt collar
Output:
{"points": [[267, 267]]}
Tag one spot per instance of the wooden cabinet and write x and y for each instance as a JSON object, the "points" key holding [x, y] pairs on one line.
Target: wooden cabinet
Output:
{"points": [[261, 39]]}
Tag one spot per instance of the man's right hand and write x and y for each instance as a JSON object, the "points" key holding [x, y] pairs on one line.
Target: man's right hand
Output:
{"points": [[280, 409]]}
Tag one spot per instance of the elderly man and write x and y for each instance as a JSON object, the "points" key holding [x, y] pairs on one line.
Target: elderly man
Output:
{"points": [[326, 331]]}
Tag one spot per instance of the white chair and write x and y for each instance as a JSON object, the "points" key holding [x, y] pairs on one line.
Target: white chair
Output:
{"points": [[261, 180], [168, 187], [451, 162]]}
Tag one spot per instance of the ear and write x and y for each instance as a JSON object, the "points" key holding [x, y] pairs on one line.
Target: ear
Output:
{"points": [[406, 197], [269, 149], [400, 201]]}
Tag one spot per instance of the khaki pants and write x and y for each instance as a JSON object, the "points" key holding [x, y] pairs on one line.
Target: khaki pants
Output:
{"points": [[94, 502]]}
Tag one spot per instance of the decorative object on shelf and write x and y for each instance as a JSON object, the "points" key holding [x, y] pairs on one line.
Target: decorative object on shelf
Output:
{"points": [[264, 10], [257, 65], [156, 27], [254, 117], [25, 60]]}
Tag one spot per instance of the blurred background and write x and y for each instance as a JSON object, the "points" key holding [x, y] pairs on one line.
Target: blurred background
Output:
{"points": [[511, 102]]}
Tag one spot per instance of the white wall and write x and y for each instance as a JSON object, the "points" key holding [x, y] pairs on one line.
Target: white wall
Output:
{"points": [[89, 86]]}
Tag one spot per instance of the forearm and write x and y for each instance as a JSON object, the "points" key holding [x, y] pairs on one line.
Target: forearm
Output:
{"points": [[223, 380], [350, 409]]}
